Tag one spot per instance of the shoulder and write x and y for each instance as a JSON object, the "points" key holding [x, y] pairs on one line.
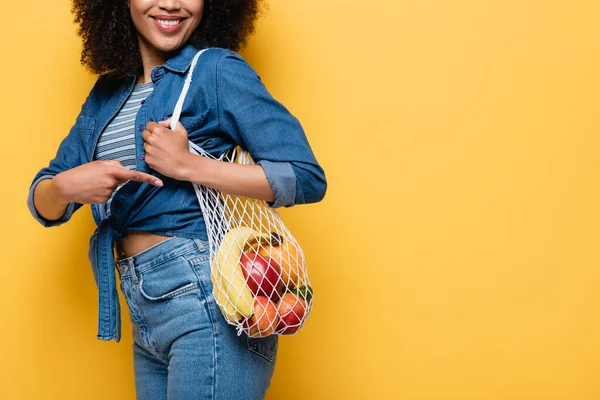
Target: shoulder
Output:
{"points": [[224, 63], [104, 87], [218, 55], [108, 82]]}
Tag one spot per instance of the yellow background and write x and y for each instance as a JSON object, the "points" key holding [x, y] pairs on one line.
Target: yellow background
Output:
{"points": [[456, 253]]}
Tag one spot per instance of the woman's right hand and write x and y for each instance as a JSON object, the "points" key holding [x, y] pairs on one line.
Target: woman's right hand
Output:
{"points": [[94, 182]]}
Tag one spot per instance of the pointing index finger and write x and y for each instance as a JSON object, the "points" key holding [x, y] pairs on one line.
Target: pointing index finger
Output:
{"points": [[138, 176]]}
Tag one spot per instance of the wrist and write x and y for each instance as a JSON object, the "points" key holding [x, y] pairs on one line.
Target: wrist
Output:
{"points": [[56, 188], [191, 166]]}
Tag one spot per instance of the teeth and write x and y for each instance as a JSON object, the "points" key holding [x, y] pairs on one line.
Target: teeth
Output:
{"points": [[168, 23]]}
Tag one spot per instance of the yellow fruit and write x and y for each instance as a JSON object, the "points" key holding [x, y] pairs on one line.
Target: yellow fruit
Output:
{"points": [[236, 298], [229, 311]]}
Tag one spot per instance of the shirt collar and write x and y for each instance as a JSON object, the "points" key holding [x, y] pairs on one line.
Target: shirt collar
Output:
{"points": [[181, 61]]}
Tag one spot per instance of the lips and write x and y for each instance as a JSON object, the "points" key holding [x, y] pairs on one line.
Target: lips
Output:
{"points": [[168, 23]]}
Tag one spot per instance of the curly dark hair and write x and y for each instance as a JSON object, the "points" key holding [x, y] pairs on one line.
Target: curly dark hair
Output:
{"points": [[110, 39]]}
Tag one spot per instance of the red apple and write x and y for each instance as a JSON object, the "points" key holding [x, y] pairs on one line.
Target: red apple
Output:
{"points": [[264, 320], [291, 310], [263, 276]]}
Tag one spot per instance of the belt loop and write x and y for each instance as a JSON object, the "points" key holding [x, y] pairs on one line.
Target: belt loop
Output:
{"points": [[200, 245], [118, 266], [132, 269]]}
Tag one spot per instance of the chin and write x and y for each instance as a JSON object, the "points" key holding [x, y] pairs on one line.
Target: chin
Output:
{"points": [[168, 46]]}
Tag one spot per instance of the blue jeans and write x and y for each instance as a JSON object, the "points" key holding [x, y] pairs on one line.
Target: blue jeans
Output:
{"points": [[183, 349]]}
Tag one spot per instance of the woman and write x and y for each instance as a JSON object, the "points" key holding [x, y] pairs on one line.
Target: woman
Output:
{"points": [[121, 157]]}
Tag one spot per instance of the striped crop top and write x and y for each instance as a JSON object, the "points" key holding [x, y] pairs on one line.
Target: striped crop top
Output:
{"points": [[117, 141]]}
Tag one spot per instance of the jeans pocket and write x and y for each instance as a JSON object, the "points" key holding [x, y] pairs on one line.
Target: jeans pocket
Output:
{"points": [[168, 280], [265, 347]]}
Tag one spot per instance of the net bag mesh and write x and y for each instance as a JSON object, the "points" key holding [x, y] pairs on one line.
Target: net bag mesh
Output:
{"points": [[258, 272]]}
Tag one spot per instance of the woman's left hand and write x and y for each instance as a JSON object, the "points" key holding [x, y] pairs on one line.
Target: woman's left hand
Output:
{"points": [[167, 151]]}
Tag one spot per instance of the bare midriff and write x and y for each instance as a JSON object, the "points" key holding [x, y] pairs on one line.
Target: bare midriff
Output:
{"points": [[135, 242]]}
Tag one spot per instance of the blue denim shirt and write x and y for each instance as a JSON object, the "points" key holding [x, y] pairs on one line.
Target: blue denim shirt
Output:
{"points": [[227, 105]]}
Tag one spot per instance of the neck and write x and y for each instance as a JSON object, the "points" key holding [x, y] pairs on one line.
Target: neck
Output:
{"points": [[151, 57]]}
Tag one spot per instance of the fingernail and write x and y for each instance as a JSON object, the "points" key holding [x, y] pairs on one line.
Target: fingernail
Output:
{"points": [[158, 183]]}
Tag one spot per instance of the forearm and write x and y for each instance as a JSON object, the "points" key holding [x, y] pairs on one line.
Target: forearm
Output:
{"points": [[244, 180], [48, 201]]}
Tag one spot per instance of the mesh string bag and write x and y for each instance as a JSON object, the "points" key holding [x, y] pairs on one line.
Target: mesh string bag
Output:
{"points": [[258, 272]]}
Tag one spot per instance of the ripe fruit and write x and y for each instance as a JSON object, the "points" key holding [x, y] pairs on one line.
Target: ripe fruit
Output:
{"points": [[263, 275], [291, 310], [264, 320], [232, 294], [287, 255]]}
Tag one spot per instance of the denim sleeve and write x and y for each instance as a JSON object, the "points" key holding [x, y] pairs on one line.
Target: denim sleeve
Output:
{"points": [[269, 132], [71, 208], [67, 157]]}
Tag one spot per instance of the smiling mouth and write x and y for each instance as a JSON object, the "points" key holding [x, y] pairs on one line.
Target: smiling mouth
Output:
{"points": [[165, 22], [168, 23]]}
